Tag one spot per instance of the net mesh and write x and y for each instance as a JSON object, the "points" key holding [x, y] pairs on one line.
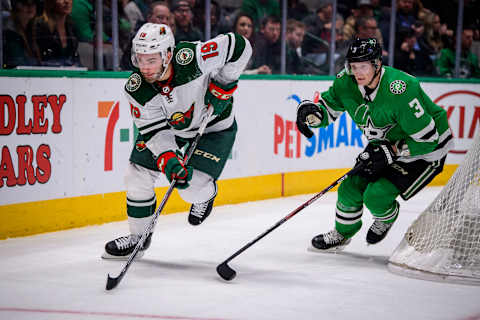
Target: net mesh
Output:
{"points": [[443, 243]]}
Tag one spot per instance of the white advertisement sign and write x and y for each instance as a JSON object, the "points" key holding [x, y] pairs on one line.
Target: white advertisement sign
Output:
{"points": [[68, 137]]}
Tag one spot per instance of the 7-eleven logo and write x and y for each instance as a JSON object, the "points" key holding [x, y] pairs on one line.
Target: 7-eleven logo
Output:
{"points": [[111, 110]]}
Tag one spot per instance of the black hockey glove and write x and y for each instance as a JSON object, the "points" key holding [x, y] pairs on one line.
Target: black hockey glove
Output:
{"points": [[308, 115], [374, 159]]}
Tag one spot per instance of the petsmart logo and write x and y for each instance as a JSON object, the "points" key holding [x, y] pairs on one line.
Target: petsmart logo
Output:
{"points": [[288, 139], [111, 111]]}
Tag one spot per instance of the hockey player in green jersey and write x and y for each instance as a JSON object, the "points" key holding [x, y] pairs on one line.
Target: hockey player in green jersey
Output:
{"points": [[408, 140], [169, 94]]}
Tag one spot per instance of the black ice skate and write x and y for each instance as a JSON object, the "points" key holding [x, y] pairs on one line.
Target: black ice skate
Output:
{"points": [[378, 231], [200, 211], [329, 242], [121, 248]]}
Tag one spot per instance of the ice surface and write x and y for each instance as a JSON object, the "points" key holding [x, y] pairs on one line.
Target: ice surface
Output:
{"points": [[61, 276]]}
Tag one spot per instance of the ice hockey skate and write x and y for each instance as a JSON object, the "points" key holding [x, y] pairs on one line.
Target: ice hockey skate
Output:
{"points": [[200, 211], [331, 241], [121, 248], [378, 231]]}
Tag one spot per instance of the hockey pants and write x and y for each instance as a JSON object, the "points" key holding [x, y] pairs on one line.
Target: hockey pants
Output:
{"points": [[141, 199], [354, 192]]}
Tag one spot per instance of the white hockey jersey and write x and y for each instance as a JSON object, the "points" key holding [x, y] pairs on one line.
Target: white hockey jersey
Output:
{"points": [[176, 107]]}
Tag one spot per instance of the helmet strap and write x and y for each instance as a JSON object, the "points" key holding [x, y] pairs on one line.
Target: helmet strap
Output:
{"points": [[377, 71], [166, 62]]}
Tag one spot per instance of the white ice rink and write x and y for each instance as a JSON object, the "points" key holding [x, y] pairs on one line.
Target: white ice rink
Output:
{"points": [[61, 276]]}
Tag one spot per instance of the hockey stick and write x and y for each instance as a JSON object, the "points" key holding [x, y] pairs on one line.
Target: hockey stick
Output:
{"points": [[112, 282], [227, 273]]}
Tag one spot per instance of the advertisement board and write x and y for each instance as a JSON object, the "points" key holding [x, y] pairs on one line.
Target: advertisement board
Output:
{"points": [[66, 137]]}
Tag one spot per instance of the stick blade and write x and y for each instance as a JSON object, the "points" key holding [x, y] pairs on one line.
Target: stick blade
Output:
{"points": [[226, 272], [111, 282]]}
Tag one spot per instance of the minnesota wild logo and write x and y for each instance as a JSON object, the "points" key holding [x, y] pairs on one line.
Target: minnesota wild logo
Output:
{"points": [[184, 56], [140, 145], [398, 86], [182, 120], [133, 82]]}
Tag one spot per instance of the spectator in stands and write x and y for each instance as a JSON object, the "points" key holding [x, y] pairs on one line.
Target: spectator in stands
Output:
{"points": [[243, 25], [366, 27], [297, 10], [260, 9], [406, 16], [216, 26], [158, 13], [363, 9], [18, 51], [469, 67], [437, 33], [83, 17], [124, 29], [294, 38], [476, 42], [412, 53], [51, 35], [133, 14], [184, 28], [314, 44], [267, 46]]}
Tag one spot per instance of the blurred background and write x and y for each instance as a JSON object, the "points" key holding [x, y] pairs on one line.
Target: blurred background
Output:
{"points": [[420, 37]]}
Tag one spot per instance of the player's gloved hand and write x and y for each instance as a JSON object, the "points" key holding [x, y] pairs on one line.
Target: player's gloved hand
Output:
{"points": [[172, 165], [308, 115], [219, 96], [374, 159]]}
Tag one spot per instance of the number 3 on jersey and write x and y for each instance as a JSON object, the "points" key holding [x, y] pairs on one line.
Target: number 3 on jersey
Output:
{"points": [[417, 106], [209, 50]]}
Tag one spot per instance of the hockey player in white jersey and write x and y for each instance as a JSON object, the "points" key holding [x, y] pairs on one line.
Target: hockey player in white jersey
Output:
{"points": [[169, 95]]}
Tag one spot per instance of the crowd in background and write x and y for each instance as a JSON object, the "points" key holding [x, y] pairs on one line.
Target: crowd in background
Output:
{"points": [[58, 33]]}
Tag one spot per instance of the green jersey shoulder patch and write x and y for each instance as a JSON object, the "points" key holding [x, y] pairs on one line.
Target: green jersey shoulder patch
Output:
{"points": [[185, 64], [139, 89], [398, 86], [184, 56], [134, 82]]}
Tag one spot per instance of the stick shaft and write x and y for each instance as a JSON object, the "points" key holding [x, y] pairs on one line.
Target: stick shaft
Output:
{"points": [[291, 214], [114, 281]]}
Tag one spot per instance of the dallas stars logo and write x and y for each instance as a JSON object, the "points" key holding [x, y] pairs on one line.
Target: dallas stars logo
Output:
{"points": [[372, 132], [398, 87]]}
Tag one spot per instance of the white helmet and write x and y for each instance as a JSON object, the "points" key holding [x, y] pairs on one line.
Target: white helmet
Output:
{"points": [[153, 38]]}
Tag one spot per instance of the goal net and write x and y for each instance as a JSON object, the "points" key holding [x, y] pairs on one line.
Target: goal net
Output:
{"points": [[443, 243]]}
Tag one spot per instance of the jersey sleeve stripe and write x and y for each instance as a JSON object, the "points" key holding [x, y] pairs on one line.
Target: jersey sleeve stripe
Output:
{"points": [[228, 56], [429, 135], [151, 124], [426, 134], [238, 47], [153, 130], [332, 114]]}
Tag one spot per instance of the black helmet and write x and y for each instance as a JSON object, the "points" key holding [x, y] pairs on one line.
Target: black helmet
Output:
{"points": [[364, 50]]}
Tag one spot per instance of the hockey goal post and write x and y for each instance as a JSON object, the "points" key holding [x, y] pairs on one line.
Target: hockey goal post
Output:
{"points": [[443, 243]]}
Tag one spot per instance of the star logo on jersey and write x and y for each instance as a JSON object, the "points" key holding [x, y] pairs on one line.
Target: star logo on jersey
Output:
{"points": [[182, 120], [398, 87], [372, 132]]}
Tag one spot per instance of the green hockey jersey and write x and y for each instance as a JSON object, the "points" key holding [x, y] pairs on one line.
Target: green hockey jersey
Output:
{"points": [[176, 107], [398, 111]]}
